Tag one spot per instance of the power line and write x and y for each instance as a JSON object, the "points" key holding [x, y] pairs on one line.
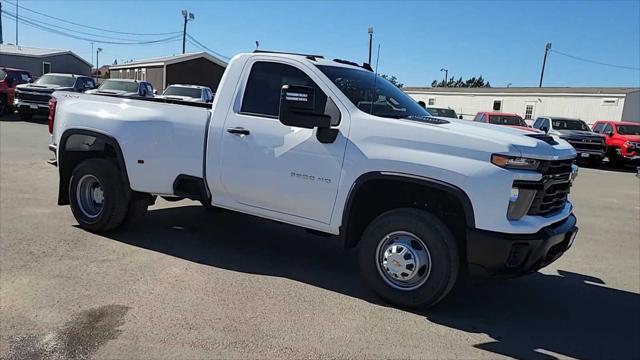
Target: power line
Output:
{"points": [[88, 26], [62, 33], [64, 28], [195, 42], [594, 62]]}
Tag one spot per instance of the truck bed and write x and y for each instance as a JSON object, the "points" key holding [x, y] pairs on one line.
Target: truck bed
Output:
{"points": [[160, 139]]}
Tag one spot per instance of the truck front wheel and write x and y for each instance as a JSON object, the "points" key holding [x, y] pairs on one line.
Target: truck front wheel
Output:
{"points": [[409, 258], [98, 195]]}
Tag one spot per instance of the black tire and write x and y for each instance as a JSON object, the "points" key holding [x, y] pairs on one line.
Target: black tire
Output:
{"points": [[595, 161], [615, 160], [114, 205], [25, 116], [442, 248], [4, 107]]}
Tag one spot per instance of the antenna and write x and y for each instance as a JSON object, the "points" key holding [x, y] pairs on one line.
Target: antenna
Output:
{"points": [[375, 80]]}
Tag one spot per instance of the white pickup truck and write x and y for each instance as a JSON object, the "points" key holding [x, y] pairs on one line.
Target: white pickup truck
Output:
{"points": [[329, 146]]}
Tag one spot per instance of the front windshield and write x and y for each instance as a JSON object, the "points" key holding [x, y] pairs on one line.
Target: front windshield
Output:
{"points": [[183, 91], [127, 86], [570, 124], [628, 129], [449, 113], [510, 120], [359, 85], [64, 81]]}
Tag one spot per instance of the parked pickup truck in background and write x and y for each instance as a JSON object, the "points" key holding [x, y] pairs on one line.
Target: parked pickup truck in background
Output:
{"points": [[9, 79], [34, 98], [124, 87], [589, 145], [623, 140], [442, 112], [331, 147], [498, 118], [194, 93]]}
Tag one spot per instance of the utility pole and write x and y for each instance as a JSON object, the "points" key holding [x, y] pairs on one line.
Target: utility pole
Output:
{"points": [[187, 17], [547, 47], [0, 23], [97, 62], [446, 76], [370, 31], [16, 22]]}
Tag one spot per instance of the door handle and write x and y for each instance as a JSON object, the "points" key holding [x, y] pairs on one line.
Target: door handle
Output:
{"points": [[238, 131]]}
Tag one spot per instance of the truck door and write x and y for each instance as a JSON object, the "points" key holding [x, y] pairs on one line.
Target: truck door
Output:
{"points": [[270, 167]]}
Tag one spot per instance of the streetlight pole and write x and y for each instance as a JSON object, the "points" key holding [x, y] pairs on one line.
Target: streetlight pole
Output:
{"points": [[97, 62], [547, 47], [370, 31], [187, 17], [446, 76], [92, 55]]}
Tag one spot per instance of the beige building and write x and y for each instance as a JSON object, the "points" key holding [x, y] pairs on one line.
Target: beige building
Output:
{"points": [[586, 103]]}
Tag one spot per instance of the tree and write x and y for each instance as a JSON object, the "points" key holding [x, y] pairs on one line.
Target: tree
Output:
{"points": [[452, 82], [115, 61], [392, 79]]}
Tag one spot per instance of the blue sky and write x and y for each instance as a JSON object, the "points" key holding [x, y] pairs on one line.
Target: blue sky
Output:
{"points": [[502, 41]]}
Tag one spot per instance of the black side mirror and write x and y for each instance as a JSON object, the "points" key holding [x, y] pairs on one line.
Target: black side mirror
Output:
{"points": [[609, 133], [10, 81], [296, 108], [544, 128]]}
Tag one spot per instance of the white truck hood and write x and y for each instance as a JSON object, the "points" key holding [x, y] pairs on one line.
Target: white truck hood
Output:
{"points": [[178, 97], [524, 141]]}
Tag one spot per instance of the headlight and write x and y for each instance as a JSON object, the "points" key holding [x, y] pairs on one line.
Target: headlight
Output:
{"points": [[629, 145], [512, 162]]}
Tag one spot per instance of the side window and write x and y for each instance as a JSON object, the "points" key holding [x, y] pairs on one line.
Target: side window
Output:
{"points": [[537, 123], [483, 118], [545, 123], [149, 89], [262, 93], [598, 127], [477, 118], [89, 84], [608, 129]]}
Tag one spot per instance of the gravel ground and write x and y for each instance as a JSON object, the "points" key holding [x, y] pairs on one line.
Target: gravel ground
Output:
{"points": [[188, 283]]}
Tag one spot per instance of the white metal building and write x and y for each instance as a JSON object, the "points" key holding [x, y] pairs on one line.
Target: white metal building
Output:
{"points": [[586, 103]]}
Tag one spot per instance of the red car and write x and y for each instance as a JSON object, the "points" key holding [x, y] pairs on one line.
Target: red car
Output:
{"points": [[623, 140], [498, 118], [9, 79]]}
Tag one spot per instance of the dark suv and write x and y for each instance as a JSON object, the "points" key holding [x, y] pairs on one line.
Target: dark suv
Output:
{"points": [[34, 98], [588, 144]]}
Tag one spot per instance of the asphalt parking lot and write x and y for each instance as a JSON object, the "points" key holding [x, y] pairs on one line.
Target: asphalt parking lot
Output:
{"points": [[188, 283]]}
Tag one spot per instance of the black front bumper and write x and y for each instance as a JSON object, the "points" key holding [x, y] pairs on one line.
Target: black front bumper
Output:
{"points": [[499, 254], [32, 107]]}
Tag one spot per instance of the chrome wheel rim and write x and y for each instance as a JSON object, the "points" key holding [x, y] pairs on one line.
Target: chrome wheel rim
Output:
{"points": [[90, 196], [403, 260]]}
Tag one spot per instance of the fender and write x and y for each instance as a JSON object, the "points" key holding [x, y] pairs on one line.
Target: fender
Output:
{"points": [[84, 142], [453, 190]]}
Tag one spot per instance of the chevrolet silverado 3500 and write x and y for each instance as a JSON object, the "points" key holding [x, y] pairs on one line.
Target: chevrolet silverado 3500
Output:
{"points": [[329, 146]]}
